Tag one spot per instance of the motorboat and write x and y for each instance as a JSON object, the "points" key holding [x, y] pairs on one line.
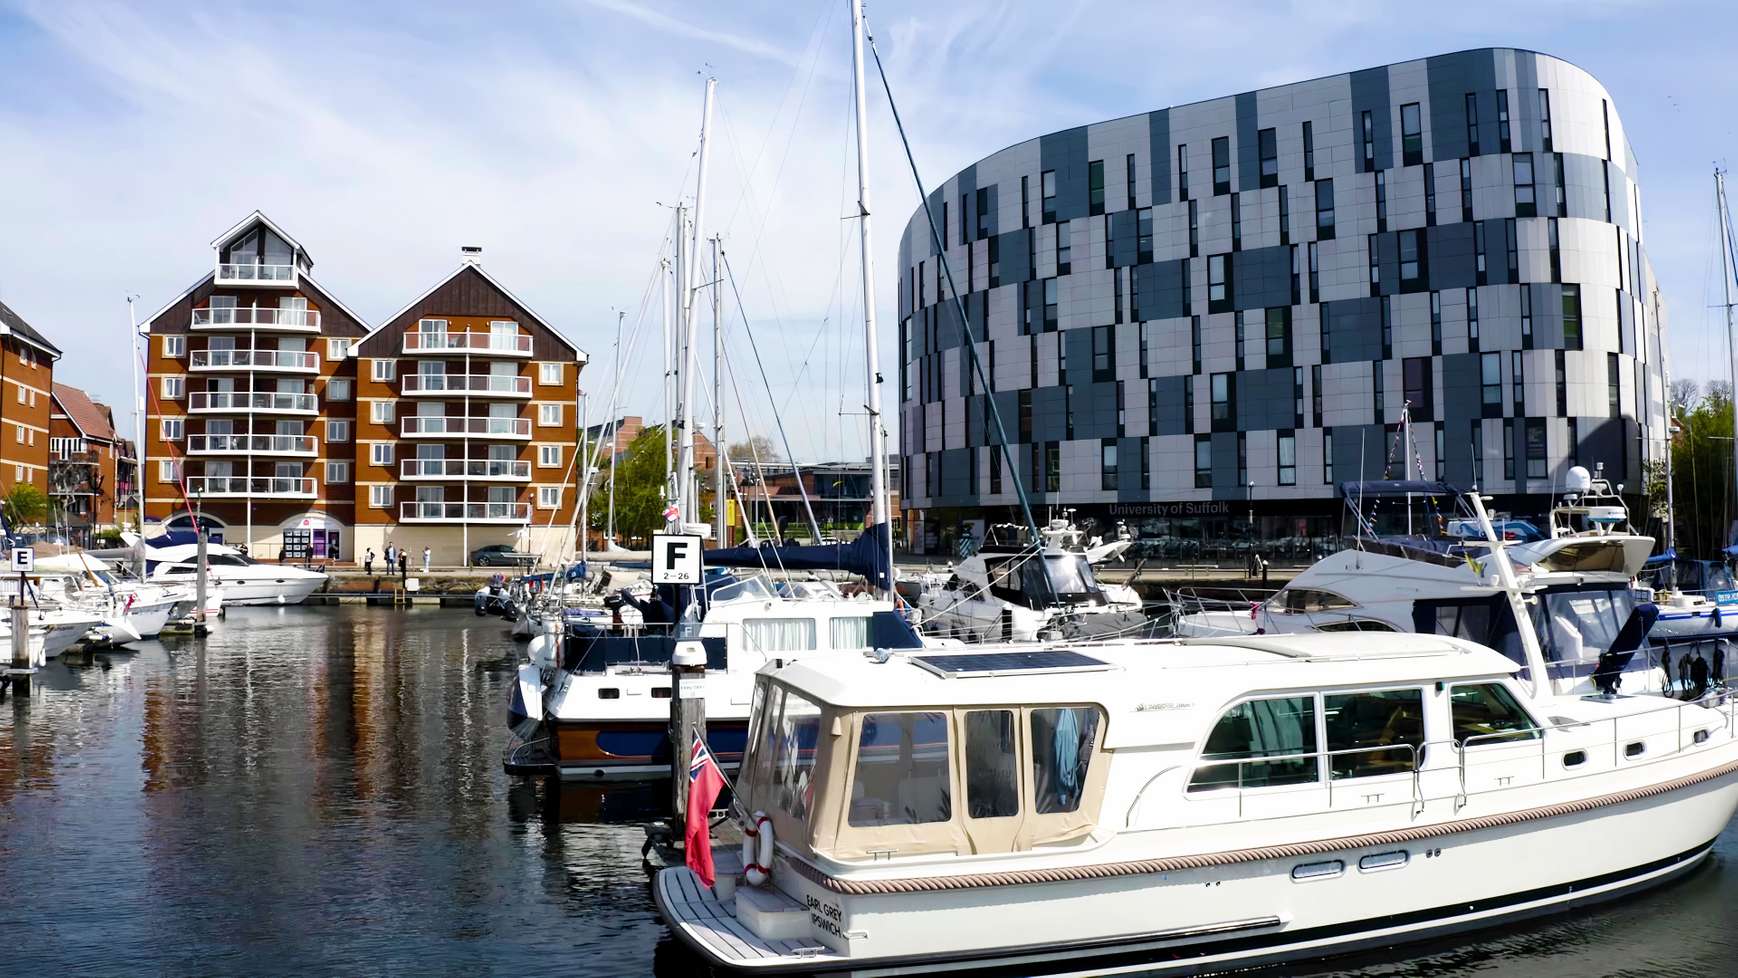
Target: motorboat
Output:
{"points": [[1191, 805], [173, 559], [594, 701], [1578, 582], [131, 609], [1022, 592]]}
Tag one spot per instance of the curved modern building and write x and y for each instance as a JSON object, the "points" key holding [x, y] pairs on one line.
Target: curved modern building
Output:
{"points": [[1208, 316]]}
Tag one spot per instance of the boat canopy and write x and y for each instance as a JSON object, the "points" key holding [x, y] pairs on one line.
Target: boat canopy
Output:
{"points": [[865, 556]]}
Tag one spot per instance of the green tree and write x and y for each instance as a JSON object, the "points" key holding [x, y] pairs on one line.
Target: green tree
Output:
{"points": [[1702, 473], [25, 506], [638, 475]]}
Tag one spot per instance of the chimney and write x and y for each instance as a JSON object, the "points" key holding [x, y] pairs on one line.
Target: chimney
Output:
{"points": [[470, 254]]}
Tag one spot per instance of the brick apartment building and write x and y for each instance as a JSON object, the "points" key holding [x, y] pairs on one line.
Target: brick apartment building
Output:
{"points": [[92, 469], [289, 425], [26, 382]]}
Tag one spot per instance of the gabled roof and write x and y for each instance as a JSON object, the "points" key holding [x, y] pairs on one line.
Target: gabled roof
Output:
{"points": [[90, 418], [260, 217], [12, 324], [305, 281], [468, 266]]}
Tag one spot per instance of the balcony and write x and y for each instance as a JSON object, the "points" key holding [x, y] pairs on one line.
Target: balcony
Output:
{"points": [[425, 512], [479, 469], [435, 426], [472, 385], [250, 273], [257, 317], [243, 402], [300, 446], [277, 361], [239, 486], [86, 456], [477, 344]]}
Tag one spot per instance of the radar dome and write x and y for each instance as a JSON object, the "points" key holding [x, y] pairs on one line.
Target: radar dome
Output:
{"points": [[1578, 479]]}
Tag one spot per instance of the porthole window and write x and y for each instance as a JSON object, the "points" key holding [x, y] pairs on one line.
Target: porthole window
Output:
{"points": [[608, 693], [1575, 758], [1636, 749], [1376, 862], [1318, 871]]}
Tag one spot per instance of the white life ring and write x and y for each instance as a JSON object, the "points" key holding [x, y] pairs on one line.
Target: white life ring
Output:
{"points": [[757, 850]]}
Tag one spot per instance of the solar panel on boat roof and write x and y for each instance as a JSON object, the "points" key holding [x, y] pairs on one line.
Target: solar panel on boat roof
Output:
{"points": [[1005, 663]]}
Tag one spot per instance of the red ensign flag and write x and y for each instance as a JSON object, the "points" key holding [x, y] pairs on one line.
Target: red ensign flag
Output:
{"points": [[705, 781]]}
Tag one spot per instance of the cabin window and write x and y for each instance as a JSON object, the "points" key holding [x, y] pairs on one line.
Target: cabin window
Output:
{"points": [[1305, 600], [1282, 727], [1062, 742], [1355, 625], [1489, 712], [850, 633], [1360, 724], [902, 773], [779, 634], [992, 776], [793, 755]]}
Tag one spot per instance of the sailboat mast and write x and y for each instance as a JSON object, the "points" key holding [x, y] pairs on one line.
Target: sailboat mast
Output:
{"points": [[672, 276], [720, 516], [879, 515], [1726, 273], [1671, 502], [686, 488], [138, 432], [616, 397]]}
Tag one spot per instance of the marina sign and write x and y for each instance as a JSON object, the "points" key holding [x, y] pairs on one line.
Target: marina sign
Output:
{"points": [[675, 558]]}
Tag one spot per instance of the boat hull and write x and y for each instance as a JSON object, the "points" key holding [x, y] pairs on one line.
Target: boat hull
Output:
{"points": [[267, 591], [593, 750]]}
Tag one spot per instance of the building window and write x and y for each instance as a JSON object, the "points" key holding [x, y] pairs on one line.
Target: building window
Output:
{"points": [[380, 497], [1064, 249], [1024, 410], [1472, 124], [1478, 452], [1413, 263], [174, 346], [1189, 404], [549, 374], [1536, 456], [1309, 147], [172, 428], [1146, 467], [1368, 126], [1095, 187], [1025, 205], [1221, 166], [1557, 251], [1605, 117], [1517, 382], [548, 456], [1107, 464], [173, 388], [1203, 461], [1144, 235], [548, 497], [1491, 384], [337, 347], [1380, 399], [1439, 452], [1103, 353], [380, 453], [1242, 459], [1375, 261], [1545, 119], [1514, 251], [1050, 317], [384, 370], [1385, 310], [1315, 274], [1284, 217], [548, 415], [1574, 445], [1381, 200], [1195, 342], [1562, 384], [1508, 448], [1052, 467], [1288, 458], [337, 429], [995, 469], [1324, 210], [1525, 203], [168, 470], [1562, 198], [1153, 406], [1268, 143], [983, 213], [1613, 386], [1316, 394], [1194, 232], [1278, 333], [1224, 412], [382, 412], [1430, 194], [1236, 223], [1328, 456], [338, 389], [1503, 120], [1183, 172], [1472, 318], [1218, 284], [1415, 375], [1411, 135], [1129, 180], [1572, 317], [1047, 190], [1527, 317], [1436, 323], [337, 473]]}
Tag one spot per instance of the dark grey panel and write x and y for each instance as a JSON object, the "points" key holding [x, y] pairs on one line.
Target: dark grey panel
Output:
{"points": [[956, 486], [1049, 419], [1614, 441], [1007, 404], [1159, 143], [1065, 154], [1172, 416], [1095, 409], [1012, 249], [1388, 260], [1354, 330], [1460, 405], [1625, 321], [1524, 131], [1124, 230], [1619, 195], [1261, 277], [1129, 452], [1584, 191], [1356, 444], [1161, 288], [1225, 481], [1451, 76], [1248, 151], [1548, 315], [1370, 92], [1266, 399], [1453, 263], [992, 210]]}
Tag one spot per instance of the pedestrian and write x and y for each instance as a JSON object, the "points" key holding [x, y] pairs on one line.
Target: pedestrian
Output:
{"points": [[403, 564], [391, 556], [1699, 673], [368, 562], [1684, 672], [1264, 570], [426, 553]]}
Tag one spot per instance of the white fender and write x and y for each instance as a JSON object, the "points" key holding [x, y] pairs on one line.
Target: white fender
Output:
{"points": [[757, 850]]}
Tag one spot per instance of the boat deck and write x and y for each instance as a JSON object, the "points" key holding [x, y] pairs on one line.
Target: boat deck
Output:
{"points": [[709, 924]]}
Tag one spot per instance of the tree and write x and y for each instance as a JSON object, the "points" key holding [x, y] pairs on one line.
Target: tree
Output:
{"points": [[1683, 394], [758, 448], [1702, 471], [638, 475], [26, 505]]}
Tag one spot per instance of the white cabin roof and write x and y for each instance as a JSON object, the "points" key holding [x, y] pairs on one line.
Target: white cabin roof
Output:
{"points": [[1153, 692]]}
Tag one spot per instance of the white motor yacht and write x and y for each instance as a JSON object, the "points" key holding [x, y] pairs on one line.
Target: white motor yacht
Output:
{"points": [[131, 609], [243, 580]]}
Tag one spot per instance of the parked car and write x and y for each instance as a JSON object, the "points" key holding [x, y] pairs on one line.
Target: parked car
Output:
{"points": [[501, 555]]}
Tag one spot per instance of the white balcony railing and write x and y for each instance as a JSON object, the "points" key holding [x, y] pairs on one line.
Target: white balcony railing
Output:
{"points": [[257, 317], [293, 361], [304, 445], [427, 512], [477, 385], [236, 402], [436, 426], [208, 486], [486, 344], [500, 470], [251, 273]]}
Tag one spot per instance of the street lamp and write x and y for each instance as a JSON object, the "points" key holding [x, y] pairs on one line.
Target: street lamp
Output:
{"points": [[1251, 498]]}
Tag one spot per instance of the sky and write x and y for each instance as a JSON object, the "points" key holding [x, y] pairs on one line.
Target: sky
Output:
{"points": [[556, 135]]}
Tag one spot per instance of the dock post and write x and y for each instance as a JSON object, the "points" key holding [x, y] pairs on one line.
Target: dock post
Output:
{"points": [[687, 721], [22, 666], [199, 580]]}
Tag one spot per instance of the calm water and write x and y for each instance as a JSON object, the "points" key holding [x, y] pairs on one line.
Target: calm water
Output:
{"points": [[318, 791]]}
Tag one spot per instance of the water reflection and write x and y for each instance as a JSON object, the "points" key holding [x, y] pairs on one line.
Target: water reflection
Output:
{"points": [[319, 791]]}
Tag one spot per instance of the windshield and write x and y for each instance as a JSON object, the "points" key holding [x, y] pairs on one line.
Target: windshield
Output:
{"points": [[1064, 578], [1580, 625]]}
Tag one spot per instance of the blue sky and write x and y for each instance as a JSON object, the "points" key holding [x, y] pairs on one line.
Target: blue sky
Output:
{"points": [[553, 134]]}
